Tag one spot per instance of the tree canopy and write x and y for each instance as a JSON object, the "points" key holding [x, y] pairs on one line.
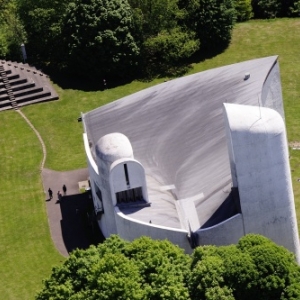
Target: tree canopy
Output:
{"points": [[212, 21], [43, 21], [126, 38], [255, 268], [143, 269], [98, 38], [12, 33]]}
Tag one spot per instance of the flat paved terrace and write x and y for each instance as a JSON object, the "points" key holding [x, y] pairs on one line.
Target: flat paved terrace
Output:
{"points": [[177, 132]]}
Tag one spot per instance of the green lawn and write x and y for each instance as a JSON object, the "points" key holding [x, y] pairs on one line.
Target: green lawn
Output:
{"points": [[26, 248]]}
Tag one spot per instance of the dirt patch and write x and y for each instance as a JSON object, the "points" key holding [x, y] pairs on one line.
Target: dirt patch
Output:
{"points": [[295, 145]]}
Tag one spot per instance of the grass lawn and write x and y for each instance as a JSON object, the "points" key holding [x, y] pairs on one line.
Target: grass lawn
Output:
{"points": [[26, 249], [27, 252]]}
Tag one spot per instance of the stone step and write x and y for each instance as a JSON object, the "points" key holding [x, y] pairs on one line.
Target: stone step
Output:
{"points": [[34, 90], [33, 96]]}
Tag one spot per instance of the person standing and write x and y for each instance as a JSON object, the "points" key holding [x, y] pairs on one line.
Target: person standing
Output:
{"points": [[50, 193], [59, 195], [64, 189]]}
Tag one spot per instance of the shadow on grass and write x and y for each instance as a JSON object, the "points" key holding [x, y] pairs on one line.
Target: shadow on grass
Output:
{"points": [[84, 83], [146, 72], [79, 228]]}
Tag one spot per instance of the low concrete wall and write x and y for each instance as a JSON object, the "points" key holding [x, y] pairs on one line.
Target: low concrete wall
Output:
{"points": [[130, 229], [225, 233]]}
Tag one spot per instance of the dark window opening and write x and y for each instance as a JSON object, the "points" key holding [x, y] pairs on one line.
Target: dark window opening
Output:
{"points": [[126, 174], [131, 195], [99, 204], [99, 195]]}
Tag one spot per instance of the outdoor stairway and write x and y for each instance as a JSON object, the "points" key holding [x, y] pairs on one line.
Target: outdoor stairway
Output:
{"points": [[8, 89], [22, 84]]}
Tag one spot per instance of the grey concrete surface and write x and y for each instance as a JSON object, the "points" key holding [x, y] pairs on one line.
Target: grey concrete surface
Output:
{"points": [[177, 132]]}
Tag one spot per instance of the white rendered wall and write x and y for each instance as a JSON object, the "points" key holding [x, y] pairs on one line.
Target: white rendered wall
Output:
{"points": [[136, 174], [106, 223], [113, 151], [93, 170], [261, 164], [225, 233], [130, 229], [271, 95], [109, 148]]}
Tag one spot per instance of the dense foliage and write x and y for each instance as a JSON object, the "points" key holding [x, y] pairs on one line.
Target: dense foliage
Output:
{"points": [[164, 43], [125, 38], [143, 269], [255, 268], [43, 22], [212, 21], [98, 38], [12, 33], [267, 9], [243, 10]]}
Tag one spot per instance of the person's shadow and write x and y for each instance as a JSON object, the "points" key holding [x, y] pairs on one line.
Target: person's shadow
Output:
{"points": [[78, 225]]}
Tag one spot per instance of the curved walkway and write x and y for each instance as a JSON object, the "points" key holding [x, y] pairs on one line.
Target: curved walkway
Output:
{"points": [[39, 137], [65, 223]]}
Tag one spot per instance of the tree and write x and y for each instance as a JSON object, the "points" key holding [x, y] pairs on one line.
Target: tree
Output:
{"points": [[165, 44], [268, 9], [143, 269], [166, 51], [43, 21], [213, 22], [256, 268], [12, 33], [98, 38], [153, 16], [243, 10], [294, 9]]}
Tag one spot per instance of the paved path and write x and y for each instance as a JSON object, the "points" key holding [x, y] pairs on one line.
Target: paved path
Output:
{"points": [[69, 219], [66, 228]]}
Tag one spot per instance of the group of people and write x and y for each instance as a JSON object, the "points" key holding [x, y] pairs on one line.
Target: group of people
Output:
{"points": [[59, 195]]}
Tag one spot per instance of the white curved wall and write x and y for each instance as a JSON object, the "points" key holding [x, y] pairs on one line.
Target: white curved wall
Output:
{"points": [[225, 233], [261, 164], [107, 221], [93, 171], [131, 229], [271, 95]]}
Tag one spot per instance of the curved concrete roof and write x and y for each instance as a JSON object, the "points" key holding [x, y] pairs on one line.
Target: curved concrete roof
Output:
{"points": [[177, 132]]}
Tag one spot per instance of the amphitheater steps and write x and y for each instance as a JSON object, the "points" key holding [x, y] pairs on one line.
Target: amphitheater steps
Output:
{"points": [[22, 84]]}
